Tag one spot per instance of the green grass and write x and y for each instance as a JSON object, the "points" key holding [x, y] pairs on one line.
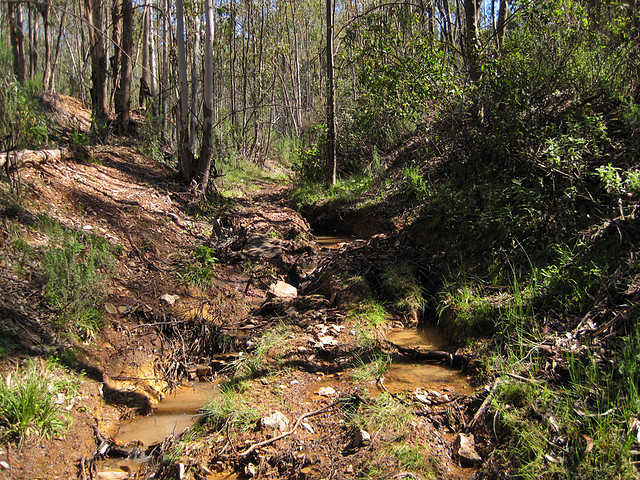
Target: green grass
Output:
{"points": [[368, 320], [199, 270], [345, 191], [402, 289], [231, 408], [241, 177], [369, 368], [32, 400]]}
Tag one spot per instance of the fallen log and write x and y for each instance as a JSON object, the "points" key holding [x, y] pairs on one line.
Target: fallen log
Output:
{"points": [[451, 359], [17, 159]]}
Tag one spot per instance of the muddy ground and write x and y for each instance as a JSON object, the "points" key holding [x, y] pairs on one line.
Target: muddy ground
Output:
{"points": [[161, 330]]}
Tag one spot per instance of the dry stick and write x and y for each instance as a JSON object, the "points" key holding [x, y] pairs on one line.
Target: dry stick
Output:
{"points": [[484, 405], [295, 426]]}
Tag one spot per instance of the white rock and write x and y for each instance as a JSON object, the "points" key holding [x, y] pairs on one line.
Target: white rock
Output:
{"points": [[307, 426], [464, 447], [250, 470], [327, 340], [5, 465], [359, 439], [282, 289], [326, 392], [276, 421], [169, 299]]}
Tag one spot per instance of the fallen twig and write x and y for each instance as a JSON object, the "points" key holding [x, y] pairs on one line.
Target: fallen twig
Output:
{"points": [[484, 405], [255, 446]]}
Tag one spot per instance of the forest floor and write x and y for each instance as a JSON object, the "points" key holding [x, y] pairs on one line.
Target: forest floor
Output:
{"points": [[188, 299]]}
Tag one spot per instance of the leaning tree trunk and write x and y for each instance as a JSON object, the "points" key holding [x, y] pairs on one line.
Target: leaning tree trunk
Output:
{"points": [[17, 41], [123, 94], [184, 153], [330, 169], [205, 163]]}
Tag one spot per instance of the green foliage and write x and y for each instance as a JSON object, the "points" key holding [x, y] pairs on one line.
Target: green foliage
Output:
{"points": [[75, 263], [272, 344], [199, 271], [415, 188], [369, 368], [23, 124], [32, 400], [231, 408], [309, 166], [401, 288], [369, 318]]}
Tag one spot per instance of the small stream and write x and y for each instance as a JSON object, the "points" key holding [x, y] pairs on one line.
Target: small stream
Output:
{"points": [[409, 376]]}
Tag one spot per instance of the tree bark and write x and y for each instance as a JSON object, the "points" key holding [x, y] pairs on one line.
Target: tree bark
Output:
{"points": [[205, 162], [17, 41], [184, 153], [116, 36], [472, 13], [123, 93], [52, 84], [145, 89], [500, 26], [330, 169], [98, 64], [33, 41], [44, 8]]}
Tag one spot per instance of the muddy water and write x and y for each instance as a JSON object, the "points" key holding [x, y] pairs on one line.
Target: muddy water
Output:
{"points": [[173, 415], [332, 241], [409, 376]]}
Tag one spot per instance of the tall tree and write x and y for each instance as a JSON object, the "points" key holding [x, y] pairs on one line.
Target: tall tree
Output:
{"points": [[330, 169], [184, 152], [123, 93], [17, 40], [205, 161], [472, 15], [93, 10]]}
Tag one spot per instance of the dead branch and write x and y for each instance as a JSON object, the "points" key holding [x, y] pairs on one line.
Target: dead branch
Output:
{"points": [[484, 405], [255, 446]]}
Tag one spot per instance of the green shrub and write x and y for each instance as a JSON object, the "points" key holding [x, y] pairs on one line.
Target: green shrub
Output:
{"points": [[75, 264]]}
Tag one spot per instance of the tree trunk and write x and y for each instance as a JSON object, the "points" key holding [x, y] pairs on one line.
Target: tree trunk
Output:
{"points": [[33, 41], [153, 67], [330, 171], [116, 36], [44, 8], [205, 163], [184, 153], [193, 132], [472, 12], [123, 93], [51, 85], [145, 89], [500, 26], [98, 64], [17, 41]]}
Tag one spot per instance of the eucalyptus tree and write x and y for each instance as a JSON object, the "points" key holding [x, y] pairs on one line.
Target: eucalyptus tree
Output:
{"points": [[16, 34], [98, 90], [123, 90]]}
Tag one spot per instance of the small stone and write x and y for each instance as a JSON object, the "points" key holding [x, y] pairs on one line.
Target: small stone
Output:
{"points": [[250, 470], [169, 299], [327, 340], [294, 382], [337, 328], [423, 399], [326, 391], [109, 475], [282, 289], [275, 421], [110, 308], [122, 309], [4, 465], [308, 427], [303, 349], [359, 439], [464, 447], [87, 227]]}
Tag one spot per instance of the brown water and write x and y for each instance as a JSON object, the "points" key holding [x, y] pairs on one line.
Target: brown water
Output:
{"points": [[172, 416], [409, 376], [332, 241]]}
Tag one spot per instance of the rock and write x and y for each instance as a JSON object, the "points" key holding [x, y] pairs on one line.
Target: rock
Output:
{"points": [[4, 465], [326, 392], [204, 371], [110, 308], [282, 289], [360, 438], [423, 399], [465, 449], [250, 470], [109, 475], [327, 340], [276, 421], [308, 427], [169, 299]]}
